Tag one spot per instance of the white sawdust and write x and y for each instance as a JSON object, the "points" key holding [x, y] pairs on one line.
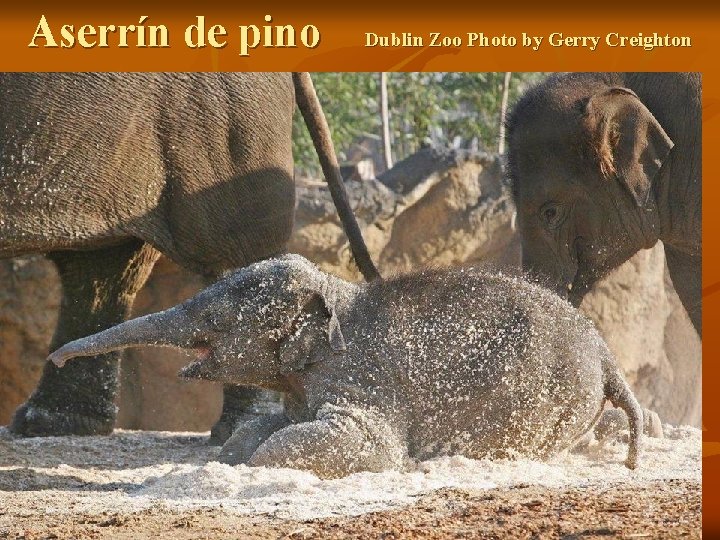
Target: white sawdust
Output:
{"points": [[130, 471]]}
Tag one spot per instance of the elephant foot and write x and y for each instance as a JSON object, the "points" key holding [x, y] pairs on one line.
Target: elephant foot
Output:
{"points": [[227, 425], [249, 435], [341, 441], [652, 426], [32, 420], [614, 422]]}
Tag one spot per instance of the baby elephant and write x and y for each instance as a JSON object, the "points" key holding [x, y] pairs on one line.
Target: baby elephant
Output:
{"points": [[457, 361]]}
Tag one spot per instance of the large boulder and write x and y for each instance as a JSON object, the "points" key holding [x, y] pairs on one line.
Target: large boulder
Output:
{"points": [[318, 234], [455, 212], [441, 207]]}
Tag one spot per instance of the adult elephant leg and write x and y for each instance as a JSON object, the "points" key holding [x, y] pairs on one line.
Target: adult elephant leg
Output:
{"points": [[686, 274], [98, 291]]}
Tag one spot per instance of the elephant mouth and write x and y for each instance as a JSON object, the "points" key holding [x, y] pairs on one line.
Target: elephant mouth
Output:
{"points": [[203, 353], [577, 291], [580, 246], [196, 369]]}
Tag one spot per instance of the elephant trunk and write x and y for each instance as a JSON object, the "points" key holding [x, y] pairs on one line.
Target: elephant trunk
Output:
{"points": [[555, 268], [577, 293], [164, 329]]}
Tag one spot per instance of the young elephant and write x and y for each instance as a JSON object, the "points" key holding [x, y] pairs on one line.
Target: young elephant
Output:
{"points": [[440, 362]]}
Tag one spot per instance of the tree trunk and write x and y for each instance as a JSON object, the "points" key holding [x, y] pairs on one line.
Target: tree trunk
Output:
{"points": [[385, 120], [503, 111]]}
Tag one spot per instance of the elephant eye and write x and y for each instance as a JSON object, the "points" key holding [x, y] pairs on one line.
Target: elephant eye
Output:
{"points": [[551, 215]]}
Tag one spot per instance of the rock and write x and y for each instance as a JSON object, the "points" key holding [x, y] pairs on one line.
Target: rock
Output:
{"points": [[362, 170], [368, 148], [29, 303], [435, 207], [425, 164], [318, 234], [458, 214]]}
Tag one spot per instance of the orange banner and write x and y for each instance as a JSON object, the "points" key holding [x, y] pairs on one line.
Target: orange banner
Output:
{"points": [[206, 38]]}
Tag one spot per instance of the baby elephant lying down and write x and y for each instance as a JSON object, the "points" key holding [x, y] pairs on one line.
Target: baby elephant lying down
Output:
{"points": [[457, 361]]}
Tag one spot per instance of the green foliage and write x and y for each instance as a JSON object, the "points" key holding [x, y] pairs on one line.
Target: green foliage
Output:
{"points": [[442, 108], [350, 103]]}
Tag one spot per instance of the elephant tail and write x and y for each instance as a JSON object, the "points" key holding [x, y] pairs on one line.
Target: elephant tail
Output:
{"points": [[620, 395], [317, 125]]}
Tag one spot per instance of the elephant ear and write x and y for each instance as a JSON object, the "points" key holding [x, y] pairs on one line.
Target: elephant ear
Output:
{"points": [[315, 321], [628, 141]]}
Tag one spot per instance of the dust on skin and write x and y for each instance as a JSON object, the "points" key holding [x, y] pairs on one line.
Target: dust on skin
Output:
{"points": [[439, 362]]}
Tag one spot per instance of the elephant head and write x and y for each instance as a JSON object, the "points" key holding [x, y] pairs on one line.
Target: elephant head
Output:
{"points": [[252, 327], [584, 158]]}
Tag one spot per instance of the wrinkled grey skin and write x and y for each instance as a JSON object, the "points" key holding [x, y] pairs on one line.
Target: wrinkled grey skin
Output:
{"points": [[103, 171], [606, 164], [440, 362]]}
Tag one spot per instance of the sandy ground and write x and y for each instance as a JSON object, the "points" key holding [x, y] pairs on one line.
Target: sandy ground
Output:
{"points": [[166, 485]]}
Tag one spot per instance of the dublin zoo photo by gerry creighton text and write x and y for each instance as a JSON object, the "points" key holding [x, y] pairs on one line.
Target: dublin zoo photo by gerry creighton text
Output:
{"points": [[553, 40]]}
